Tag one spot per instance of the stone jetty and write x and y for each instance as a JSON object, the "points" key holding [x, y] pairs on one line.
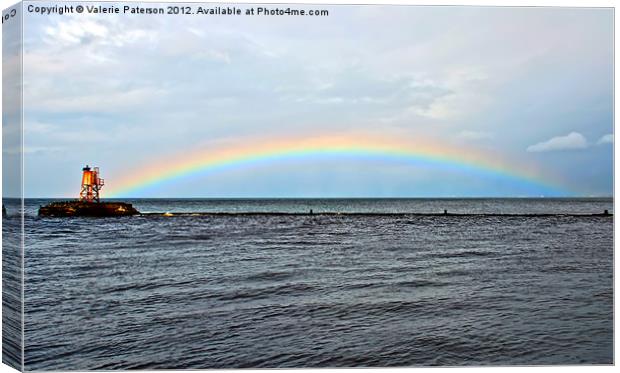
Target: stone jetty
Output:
{"points": [[94, 209]]}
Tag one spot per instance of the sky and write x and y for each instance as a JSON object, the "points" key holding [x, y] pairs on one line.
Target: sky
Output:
{"points": [[153, 100]]}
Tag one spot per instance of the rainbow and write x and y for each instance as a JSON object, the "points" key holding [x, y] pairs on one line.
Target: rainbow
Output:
{"points": [[224, 156]]}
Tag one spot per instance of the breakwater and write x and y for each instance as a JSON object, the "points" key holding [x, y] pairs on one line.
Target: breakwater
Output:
{"points": [[370, 214], [78, 208]]}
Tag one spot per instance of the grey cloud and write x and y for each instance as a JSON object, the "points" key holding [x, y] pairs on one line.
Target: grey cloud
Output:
{"points": [[357, 87]]}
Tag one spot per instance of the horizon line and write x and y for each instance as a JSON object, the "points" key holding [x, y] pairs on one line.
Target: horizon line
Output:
{"points": [[334, 198]]}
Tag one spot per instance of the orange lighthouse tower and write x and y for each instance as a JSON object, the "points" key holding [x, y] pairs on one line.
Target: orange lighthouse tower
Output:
{"points": [[91, 184]]}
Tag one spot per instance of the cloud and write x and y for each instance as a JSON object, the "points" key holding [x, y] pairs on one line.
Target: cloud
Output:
{"points": [[351, 86], [572, 141], [76, 31], [606, 139], [95, 32]]}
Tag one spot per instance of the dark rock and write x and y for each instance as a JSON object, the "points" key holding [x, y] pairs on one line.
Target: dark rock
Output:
{"points": [[78, 208]]}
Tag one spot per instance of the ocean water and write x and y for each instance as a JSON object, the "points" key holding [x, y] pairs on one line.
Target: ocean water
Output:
{"points": [[320, 291]]}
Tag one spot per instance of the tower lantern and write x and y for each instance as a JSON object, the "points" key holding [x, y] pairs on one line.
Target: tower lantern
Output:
{"points": [[91, 184]]}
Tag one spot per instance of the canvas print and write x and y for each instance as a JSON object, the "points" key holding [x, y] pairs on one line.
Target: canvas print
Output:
{"points": [[211, 185]]}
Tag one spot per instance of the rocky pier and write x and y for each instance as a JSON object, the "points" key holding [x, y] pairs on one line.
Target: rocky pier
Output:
{"points": [[93, 209]]}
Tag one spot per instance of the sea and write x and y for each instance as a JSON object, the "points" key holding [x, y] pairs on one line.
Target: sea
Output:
{"points": [[388, 287]]}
